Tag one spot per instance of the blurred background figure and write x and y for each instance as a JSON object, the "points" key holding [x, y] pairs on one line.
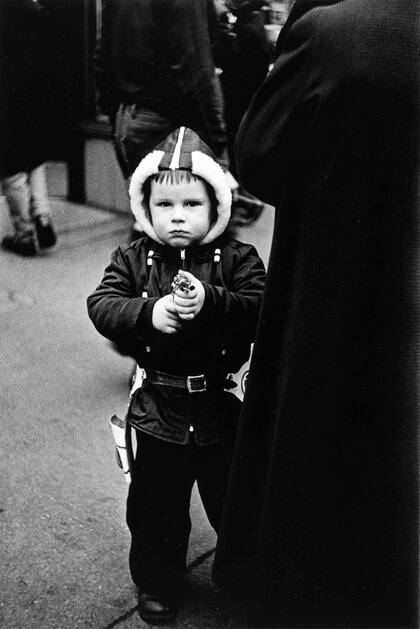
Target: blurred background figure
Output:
{"points": [[155, 71], [30, 211], [244, 55], [25, 104]]}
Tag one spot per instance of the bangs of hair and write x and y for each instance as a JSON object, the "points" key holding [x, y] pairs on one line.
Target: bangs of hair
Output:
{"points": [[174, 177]]}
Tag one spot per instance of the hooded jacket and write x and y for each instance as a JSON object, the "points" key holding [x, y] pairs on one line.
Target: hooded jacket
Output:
{"points": [[214, 343]]}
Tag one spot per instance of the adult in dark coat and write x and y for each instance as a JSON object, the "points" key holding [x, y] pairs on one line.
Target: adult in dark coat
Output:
{"points": [[24, 86], [321, 520]]}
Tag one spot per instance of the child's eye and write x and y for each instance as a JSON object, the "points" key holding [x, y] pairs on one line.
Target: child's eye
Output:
{"points": [[192, 203], [164, 204]]}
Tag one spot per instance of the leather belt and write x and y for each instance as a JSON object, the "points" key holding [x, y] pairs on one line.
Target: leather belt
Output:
{"points": [[193, 384]]}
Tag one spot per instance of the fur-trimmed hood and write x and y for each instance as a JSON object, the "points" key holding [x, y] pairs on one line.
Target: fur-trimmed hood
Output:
{"points": [[182, 149]]}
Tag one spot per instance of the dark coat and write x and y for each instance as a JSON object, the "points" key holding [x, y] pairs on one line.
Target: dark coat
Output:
{"points": [[32, 98], [321, 515], [216, 342], [158, 54], [243, 53]]}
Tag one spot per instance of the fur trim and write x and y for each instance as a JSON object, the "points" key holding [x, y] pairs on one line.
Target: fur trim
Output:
{"points": [[201, 164], [207, 168], [148, 166]]}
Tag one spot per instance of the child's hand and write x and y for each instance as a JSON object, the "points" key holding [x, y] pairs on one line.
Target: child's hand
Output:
{"points": [[165, 317], [189, 304]]}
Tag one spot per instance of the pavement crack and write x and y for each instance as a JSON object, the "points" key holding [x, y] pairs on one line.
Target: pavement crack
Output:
{"points": [[200, 559], [120, 619], [197, 561]]}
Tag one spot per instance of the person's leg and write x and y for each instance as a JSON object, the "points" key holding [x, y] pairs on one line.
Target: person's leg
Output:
{"points": [[40, 207], [40, 204], [17, 193], [158, 514], [213, 468]]}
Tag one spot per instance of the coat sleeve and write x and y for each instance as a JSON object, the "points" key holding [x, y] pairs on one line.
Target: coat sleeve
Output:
{"points": [[114, 306], [271, 134], [235, 310]]}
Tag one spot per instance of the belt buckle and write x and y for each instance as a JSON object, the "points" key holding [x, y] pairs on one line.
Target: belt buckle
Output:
{"points": [[196, 384]]}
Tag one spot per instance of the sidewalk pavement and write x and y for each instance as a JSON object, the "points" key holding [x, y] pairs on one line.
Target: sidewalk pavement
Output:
{"points": [[62, 498]]}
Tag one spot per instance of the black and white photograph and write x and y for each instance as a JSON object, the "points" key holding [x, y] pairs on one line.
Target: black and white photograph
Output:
{"points": [[209, 314]]}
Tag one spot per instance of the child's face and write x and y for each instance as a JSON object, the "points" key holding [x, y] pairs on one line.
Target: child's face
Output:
{"points": [[180, 212]]}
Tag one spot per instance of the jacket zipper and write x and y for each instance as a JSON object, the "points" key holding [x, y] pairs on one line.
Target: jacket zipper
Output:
{"points": [[182, 252]]}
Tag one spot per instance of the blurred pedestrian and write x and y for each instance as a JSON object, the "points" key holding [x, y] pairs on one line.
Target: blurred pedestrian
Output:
{"points": [[24, 126], [321, 520], [187, 337], [155, 72], [30, 211], [244, 55]]}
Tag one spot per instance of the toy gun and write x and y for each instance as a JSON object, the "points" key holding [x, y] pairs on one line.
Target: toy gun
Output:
{"points": [[181, 283]]}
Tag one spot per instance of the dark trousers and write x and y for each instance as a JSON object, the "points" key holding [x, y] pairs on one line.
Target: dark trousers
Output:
{"points": [[158, 505]]}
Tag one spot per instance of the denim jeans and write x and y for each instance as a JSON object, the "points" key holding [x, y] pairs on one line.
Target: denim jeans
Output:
{"points": [[137, 131]]}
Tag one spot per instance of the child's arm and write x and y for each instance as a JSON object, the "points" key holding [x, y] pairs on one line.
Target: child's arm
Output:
{"points": [[120, 314], [115, 306], [235, 307]]}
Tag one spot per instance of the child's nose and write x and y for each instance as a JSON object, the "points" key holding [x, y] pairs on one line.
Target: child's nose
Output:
{"points": [[178, 213]]}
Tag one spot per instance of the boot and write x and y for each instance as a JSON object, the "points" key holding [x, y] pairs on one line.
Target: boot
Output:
{"points": [[45, 232], [22, 245]]}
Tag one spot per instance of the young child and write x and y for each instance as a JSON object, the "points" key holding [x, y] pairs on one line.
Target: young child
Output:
{"points": [[187, 341]]}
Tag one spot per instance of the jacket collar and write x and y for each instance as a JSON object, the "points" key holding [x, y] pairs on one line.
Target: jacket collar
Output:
{"points": [[198, 253]]}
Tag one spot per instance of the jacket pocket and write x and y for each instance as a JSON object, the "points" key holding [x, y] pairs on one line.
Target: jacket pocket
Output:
{"points": [[143, 410], [160, 411]]}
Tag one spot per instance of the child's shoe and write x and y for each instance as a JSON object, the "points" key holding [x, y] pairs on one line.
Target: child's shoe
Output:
{"points": [[45, 232], [156, 609], [22, 245]]}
